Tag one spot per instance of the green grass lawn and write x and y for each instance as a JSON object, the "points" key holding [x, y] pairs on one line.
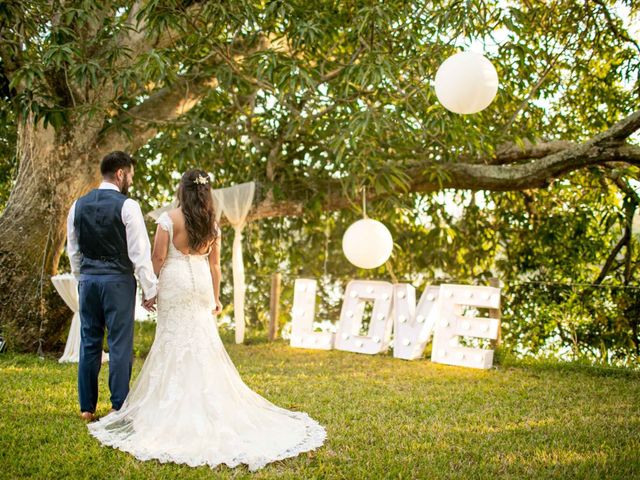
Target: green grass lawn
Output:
{"points": [[385, 418]]}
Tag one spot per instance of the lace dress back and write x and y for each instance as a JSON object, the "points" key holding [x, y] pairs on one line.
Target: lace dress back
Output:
{"points": [[189, 404]]}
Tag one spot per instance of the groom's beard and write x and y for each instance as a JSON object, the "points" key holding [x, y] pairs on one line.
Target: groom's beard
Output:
{"points": [[124, 189]]}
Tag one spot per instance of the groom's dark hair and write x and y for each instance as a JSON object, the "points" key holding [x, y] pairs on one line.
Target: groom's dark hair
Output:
{"points": [[114, 161]]}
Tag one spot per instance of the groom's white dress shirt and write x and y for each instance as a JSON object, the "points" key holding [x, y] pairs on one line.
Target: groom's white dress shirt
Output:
{"points": [[138, 245]]}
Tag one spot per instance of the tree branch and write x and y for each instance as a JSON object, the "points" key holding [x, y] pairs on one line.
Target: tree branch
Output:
{"points": [[512, 153], [532, 172], [622, 34], [163, 105], [134, 37], [624, 240]]}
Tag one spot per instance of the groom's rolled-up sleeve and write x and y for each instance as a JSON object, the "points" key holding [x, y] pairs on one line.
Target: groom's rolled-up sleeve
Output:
{"points": [[139, 247], [73, 250]]}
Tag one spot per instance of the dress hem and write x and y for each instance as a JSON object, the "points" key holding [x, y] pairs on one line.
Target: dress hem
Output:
{"points": [[313, 439]]}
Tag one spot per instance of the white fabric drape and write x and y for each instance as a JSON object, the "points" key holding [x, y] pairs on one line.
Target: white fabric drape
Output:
{"points": [[234, 203], [67, 287]]}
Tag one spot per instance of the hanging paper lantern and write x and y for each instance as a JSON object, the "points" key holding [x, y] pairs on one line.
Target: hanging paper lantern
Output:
{"points": [[367, 243], [466, 82]]}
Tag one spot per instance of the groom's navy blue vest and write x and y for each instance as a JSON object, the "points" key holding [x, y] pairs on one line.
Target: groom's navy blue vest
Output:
{"points": [[102, 237]]}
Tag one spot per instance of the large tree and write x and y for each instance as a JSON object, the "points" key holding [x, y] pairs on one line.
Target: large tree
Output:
{"points": [[313, 101]]}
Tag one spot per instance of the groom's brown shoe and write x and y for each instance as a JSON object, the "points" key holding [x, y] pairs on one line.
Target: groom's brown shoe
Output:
{"points": [[88, 416]]}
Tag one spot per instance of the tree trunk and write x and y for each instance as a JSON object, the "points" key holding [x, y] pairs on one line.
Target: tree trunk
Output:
{"points": [[53, 172]]}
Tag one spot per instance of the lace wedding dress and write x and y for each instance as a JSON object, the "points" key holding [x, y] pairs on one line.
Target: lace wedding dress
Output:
{"points": [[189, 404]]}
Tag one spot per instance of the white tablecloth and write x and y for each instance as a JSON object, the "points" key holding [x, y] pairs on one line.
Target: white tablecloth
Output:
{"points": [[67, 287]]}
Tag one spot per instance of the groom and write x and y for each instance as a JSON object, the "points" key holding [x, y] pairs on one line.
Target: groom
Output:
{"points": [[107, 242]]}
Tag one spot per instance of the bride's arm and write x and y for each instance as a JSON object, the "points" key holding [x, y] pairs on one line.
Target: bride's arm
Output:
{"points": [[160, 249], [214, 266]]}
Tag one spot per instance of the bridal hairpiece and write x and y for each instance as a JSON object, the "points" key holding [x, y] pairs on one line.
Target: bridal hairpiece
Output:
{"points": [[202, 180]]}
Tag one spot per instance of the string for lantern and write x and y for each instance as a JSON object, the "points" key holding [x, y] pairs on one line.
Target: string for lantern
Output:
{"points": [[364, 201], [327, 234]]}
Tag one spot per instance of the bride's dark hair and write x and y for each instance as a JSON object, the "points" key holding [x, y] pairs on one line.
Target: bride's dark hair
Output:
{"points": [[194, 197]]}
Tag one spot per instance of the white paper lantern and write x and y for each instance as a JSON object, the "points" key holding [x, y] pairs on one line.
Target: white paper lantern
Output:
{"points": [[367, 243], [466, 82]]}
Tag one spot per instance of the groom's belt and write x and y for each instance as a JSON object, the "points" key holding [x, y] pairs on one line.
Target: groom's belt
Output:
{"points": [[107, 258]]}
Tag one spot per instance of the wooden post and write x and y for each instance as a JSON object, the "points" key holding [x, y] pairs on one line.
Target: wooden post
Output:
{"points": [[275, 306], [495, 312]]}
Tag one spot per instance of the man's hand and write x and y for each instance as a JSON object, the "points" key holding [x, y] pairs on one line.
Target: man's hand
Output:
{"points": [[149, 304]]}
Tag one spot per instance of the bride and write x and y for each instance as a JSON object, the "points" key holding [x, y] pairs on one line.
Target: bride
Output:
{"points": [[189, 404]]}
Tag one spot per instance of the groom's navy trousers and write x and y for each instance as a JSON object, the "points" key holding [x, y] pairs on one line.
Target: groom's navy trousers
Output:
{"points": [[105, 301]]}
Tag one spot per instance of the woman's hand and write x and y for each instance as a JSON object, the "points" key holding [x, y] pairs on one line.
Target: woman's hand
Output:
{"points": [[218, 308]]}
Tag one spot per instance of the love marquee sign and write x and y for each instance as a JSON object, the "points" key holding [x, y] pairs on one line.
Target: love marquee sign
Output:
{"points": [[441, 312]]}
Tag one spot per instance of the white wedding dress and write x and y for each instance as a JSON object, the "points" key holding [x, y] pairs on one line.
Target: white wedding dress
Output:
{"points": [[189, 404]]}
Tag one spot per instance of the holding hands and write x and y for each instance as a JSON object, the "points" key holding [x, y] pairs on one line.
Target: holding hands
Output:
{"points": [[150, 304]]}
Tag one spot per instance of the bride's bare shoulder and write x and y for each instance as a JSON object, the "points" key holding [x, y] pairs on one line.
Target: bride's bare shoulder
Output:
{"points": [[176, 215]]}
